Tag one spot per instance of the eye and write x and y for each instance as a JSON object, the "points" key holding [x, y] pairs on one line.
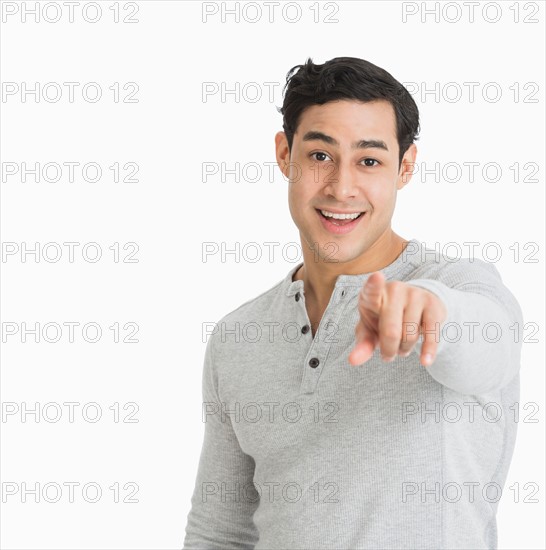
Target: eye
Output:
{"points": [[312, 155], [368, 161]]}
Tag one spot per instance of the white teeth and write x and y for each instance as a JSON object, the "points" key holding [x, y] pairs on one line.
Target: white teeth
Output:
{"points": [[340, 216]]}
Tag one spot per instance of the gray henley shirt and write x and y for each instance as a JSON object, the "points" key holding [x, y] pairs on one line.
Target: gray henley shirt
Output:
{"points": [[303, 451]]}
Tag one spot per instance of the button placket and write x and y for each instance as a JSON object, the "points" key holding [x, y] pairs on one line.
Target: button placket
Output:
{"points": [[320, 347], [299, 297]]}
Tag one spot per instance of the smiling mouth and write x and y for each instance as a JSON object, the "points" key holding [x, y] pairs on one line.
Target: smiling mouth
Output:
{"points": [[339, 221]]}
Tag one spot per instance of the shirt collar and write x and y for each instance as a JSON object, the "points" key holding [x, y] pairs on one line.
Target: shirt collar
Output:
{"points": [[404, 263]]}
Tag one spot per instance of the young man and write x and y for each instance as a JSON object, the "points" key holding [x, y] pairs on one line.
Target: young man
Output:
{"points": [[363, 401]]}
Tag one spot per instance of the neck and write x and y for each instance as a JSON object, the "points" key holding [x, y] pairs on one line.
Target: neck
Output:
{"points": [[319, 277]]}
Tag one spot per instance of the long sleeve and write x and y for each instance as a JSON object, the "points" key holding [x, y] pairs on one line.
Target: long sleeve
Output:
{"points": [[224, 498], [479, 346]]}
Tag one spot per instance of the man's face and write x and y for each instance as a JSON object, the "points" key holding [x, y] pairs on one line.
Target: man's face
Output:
{"points": [[325, 175]]}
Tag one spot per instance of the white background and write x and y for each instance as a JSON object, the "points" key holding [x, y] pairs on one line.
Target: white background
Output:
{"points": [[171, 211]]}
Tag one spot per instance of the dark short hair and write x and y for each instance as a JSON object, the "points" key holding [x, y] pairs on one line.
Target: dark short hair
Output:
{"points": [[347, 78]]}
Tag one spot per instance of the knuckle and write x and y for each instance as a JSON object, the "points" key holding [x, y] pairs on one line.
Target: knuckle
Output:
{"points": [[415, 294], [391, 332], [396, 286], [409, 339], [410, 328]]}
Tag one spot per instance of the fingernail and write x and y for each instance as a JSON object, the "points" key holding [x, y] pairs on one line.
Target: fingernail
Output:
{"points": [[388, 359], [427, 359]]}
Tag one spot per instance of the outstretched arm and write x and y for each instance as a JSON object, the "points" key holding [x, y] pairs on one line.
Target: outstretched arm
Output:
{"points": [[471, 326]]}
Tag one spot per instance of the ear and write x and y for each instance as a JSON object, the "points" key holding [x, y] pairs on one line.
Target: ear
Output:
{"points": [[282, 153], [407, 166]]}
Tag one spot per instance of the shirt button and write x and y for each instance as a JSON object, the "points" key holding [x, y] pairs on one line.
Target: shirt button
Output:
{"points": [[313, 363], [297, 296], [305, 329]]}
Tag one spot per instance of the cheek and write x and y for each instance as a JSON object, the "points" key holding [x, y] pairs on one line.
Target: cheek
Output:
{"points": [[382, 196], [377, 199], [299, 193], [296, 200], [296, 172]]}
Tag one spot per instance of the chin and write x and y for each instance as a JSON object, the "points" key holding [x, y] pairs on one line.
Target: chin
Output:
{"points": [[335, 252]]}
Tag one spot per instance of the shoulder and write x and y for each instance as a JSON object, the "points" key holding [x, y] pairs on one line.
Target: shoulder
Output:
{"points": [[453, 269], [464, 273], [263, 307]]}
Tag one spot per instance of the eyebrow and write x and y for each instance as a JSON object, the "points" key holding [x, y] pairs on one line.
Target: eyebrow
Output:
{"points": [[313, 135]]}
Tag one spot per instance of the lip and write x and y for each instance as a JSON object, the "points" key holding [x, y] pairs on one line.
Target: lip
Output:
{"points": [[338, 229]]}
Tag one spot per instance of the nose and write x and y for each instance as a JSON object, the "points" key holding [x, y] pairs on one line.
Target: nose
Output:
{"points": [[341, 183]]}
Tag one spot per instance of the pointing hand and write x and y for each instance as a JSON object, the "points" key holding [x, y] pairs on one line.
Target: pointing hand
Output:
{"points": [[393, 314]]}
